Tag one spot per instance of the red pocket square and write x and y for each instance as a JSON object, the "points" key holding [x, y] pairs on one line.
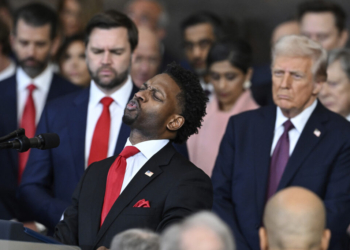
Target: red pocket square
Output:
{"points": [[142, 203]]}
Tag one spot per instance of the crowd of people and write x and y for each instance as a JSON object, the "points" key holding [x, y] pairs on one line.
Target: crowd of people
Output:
{"points": [[210, 153]]}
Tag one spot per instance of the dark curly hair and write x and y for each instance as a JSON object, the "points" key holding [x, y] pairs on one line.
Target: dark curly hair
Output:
{"points": [[192, 100]]}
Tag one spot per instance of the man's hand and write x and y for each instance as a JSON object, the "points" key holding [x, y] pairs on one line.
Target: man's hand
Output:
{"points": [[102, 248]]}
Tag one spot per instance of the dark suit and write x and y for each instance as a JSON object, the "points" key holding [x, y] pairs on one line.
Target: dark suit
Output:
{"points": [[321, 164], [9, 207], [51, 176], [176, 189]]}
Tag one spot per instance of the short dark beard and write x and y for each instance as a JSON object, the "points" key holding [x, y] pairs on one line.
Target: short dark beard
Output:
{"points": [[117, 81], [33, 71], [129, 120]]}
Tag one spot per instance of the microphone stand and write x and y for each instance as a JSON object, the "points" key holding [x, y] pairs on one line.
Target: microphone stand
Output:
{"points": [[17, 133], [22, 140]]}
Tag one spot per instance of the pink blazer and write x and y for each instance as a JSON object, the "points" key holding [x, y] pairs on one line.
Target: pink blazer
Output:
{"points": [[204, 146]]}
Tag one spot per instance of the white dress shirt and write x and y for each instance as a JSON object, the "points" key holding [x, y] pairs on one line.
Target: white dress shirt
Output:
{"points": [[136, 162], [42, 83], [299, 123], [348, 118], [116, 109], [9, 71], [207, 86]]}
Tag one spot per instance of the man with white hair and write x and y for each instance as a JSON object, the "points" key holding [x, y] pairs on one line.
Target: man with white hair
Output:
{"points": [[201, 231], [294, 218], [297, 143], [135, 239]]}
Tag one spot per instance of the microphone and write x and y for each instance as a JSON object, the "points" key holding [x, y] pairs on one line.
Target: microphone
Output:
{"points": [[42, 141]]}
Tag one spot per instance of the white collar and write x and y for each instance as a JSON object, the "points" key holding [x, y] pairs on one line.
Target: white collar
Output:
{"points": [[298, 121], [206, 86], [41, 82], [348, 117], [120, 97], [149, 148]]}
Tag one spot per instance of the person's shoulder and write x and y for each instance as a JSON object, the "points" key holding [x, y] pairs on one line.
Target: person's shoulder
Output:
{"points": [[10, 80], [68, 99], [253, 116], [337, 122], [64, 83], [180, 167]]}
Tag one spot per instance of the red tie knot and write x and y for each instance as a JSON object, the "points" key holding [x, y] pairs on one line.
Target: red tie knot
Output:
{"points": [[31, 87], [106, 101], [129, 151], [288, 125]]}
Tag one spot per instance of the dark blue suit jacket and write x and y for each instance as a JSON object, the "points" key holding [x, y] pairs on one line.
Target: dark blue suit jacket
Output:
{"points": [[9, 207], [320, 164], [51, 176]]}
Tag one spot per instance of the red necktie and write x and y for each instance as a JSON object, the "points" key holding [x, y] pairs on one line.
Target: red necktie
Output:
{"points": [[279, 159], [115, 180], [28, 123], [100, 139]]}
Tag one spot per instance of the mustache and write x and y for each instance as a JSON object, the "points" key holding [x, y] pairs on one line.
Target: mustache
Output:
{"points": [[106, 67], [29, 59]]}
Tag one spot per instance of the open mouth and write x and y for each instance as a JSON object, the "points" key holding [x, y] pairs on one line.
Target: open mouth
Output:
{"points": [[132, 105]]}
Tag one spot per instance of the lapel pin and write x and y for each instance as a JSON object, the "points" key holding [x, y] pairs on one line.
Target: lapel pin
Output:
{"points": [[317, 132], [149, 173]]}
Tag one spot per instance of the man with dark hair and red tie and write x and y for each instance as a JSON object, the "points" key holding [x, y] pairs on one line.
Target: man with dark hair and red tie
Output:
{"points": [[24, 94], [88, 122], [149, 185], [297, 143]]}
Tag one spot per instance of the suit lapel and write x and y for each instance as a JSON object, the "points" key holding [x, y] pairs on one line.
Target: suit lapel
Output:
{"points": [[263, 134], [136, 185], [77, 124], [92, 227], [307, 141], [124, 129], [54, 90], [9, 113]]}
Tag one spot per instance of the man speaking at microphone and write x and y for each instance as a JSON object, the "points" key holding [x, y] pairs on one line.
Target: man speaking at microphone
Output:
{"points": [[149, 185], [88, 122]]}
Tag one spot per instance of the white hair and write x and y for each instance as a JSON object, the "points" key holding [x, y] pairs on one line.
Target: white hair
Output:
{"points": [[135, 239], [301, 46], [171, 238]]}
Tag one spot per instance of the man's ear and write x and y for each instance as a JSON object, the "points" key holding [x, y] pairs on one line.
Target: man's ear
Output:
{"points": [[56, 42], [264, 244], [12, 41], [343, 38], [317, 86], [325, 239], [176, 123]]}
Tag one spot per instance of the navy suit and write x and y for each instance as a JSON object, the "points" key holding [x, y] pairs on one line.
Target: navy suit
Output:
{"points": [[51, 176], [318, 163], [9, 207]]}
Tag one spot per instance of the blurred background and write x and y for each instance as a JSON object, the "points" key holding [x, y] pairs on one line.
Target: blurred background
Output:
{"points": [[253, 20]]}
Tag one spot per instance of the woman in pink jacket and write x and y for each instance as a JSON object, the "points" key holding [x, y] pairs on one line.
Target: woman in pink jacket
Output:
{"points": [[229, 65]]}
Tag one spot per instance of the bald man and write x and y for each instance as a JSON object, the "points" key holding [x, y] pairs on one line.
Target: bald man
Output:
{"points": [[148, 13], [285, 29], [146, 58], [294, 218]]}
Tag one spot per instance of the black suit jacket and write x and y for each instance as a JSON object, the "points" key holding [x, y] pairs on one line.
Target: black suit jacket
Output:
{"points": [[176, 189], [318, 163], [51, 176], [9, 207]]}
